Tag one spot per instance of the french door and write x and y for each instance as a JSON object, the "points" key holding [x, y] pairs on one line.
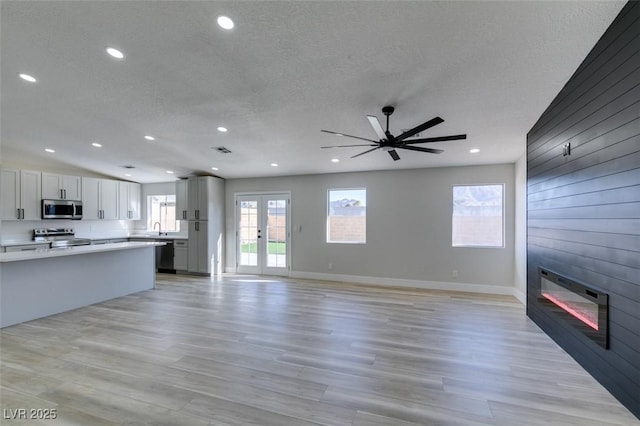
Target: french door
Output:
{"points": [[263, 234]]}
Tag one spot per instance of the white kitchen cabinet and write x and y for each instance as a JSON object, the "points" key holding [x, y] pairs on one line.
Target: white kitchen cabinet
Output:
{"points": [[63, 187], [129, 196], [21, 194], [206, 202], [181, 255], [99, 199], [199, 191], [182, 199], [27, 247], [200, 259]]}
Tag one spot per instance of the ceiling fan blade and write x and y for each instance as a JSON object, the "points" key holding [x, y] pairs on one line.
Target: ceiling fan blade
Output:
{"points": [[373, 120], [420, 128], [366, 152], [421, 149], [347, 146], [436, 139], [349, 136], [394, 154]]}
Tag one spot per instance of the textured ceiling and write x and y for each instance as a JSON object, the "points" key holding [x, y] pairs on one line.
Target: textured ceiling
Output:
{"points": [[287, 70]]}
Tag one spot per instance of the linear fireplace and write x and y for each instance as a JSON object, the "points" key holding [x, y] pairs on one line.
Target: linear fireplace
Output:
{"points": [[585, 308]]}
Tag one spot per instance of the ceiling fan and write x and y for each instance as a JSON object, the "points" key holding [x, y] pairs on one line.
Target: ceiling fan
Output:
{"points": [[390, 143]]}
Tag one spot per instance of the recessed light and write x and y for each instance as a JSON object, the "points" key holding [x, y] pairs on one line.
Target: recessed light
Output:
{"points": [[50, 150], [127, 174], [335, 160], [225, 22], [170, 172], [274, 164], [97, 145], [474, 150], [214, 168], [27, 77], [150, 138], [222, 129], [115, 53]]}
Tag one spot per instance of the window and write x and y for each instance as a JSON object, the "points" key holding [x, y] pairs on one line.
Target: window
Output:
{"points": [[162, 209], [347, 216], [478, 219]]}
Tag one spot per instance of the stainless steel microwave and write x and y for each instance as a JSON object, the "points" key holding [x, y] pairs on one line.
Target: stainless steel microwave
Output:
{"points": [[62, 209]]}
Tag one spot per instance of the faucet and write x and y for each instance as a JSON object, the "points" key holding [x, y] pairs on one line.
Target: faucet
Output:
{"points": [[159, 228]]}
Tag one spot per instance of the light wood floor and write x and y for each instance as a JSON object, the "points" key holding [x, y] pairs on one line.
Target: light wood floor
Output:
{"points": [[243, 350]]}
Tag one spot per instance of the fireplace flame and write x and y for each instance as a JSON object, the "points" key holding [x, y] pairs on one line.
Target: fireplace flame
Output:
{"points": [[581, 316]]}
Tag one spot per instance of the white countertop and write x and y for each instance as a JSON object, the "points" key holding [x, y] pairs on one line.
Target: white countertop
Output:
{"points": [[72, 251], [159, 237]]}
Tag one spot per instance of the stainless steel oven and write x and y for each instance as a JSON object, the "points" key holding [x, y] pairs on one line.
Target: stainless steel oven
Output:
{"points": [[59, 237], [62, 209]]}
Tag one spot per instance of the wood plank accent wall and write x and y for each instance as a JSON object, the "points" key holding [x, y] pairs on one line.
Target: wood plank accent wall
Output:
{"points": [[583, 210]]}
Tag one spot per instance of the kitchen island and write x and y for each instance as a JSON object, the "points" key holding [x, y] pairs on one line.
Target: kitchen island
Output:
{"points": [[39, 283]]}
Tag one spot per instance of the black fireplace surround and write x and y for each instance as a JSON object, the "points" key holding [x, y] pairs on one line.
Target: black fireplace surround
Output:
{"points": [[583, 307], [583, 212]]}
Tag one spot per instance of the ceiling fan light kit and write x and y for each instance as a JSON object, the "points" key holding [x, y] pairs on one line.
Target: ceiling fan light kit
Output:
{"points": [[389, 143]]}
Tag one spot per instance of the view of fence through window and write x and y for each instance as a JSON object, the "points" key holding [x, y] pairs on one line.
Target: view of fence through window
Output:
{"points": [[277, 233], [478, 216], [273, 233], [347, 216], [162, 209], [249, 232]]}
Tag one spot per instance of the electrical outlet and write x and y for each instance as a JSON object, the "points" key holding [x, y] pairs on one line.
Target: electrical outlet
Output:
{"points": [[330, 266], [454, 273]]}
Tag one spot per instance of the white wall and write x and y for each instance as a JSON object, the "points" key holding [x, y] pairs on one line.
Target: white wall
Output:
{"points": [[520, 254], [408, 229]]}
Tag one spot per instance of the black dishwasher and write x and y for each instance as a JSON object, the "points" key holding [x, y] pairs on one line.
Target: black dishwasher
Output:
{"points": [[164, 257]]}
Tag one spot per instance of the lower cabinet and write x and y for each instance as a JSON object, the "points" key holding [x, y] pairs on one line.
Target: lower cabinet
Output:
{"points": [[26, 247], [199, 259], [181, 255]]}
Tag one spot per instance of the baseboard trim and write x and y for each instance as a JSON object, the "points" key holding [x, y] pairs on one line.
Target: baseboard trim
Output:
{"points": [[398, 282], [522, 298]]}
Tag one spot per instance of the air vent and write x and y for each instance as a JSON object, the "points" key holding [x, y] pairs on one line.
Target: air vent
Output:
{"points": [[222, 149], [128, 166]]}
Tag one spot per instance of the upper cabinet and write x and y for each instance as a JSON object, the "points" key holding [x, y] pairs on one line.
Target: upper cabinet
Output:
{"points": [[201, 192], [63, 187], [182, 200], [99, 199], [21, 194], [130, 195]]}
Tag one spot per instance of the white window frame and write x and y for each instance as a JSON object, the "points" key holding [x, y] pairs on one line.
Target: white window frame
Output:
{"points": [[328, 204], [150, 221], [503, 217]]}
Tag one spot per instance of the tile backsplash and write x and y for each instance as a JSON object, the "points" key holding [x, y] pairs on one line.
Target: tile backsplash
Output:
{"points": [[21, 230]]}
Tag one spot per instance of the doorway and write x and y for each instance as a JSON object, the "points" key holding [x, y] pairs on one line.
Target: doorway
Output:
{"points": [[263, 234]]}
